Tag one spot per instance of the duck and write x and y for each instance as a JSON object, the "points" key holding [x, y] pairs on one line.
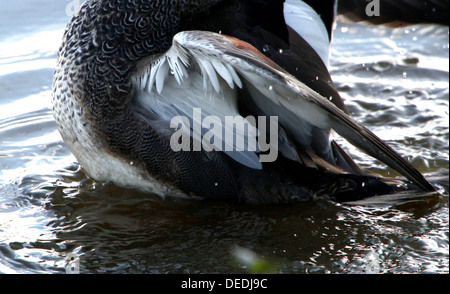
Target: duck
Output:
{"points": [[169, 97]]}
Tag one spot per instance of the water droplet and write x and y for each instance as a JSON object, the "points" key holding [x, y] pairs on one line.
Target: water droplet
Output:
{"points": [[411, 60], [382, 66], [270, 88], [405, 74], [266, 48], [280, 51], [216, 184]]}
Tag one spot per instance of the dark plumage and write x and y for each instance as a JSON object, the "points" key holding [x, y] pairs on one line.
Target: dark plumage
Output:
{"points": [[111, 123]]}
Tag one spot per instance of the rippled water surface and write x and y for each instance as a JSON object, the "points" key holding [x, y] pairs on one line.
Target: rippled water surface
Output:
{"points": [[394, 81]]}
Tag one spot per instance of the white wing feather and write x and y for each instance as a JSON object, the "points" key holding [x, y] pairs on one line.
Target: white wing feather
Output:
{"points": [[276, 92]]}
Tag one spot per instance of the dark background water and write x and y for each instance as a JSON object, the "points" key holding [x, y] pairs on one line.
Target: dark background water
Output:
{"points": [[394, 81]]}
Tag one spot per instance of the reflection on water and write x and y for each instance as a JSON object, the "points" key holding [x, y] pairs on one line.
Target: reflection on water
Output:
{"points": [[394, 81]]}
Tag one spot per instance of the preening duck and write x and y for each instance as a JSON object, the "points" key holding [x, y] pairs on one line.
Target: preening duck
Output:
{"points": [[153, 94]]}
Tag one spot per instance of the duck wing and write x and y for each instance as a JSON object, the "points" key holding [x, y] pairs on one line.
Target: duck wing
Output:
{"points": [[300, 110]]}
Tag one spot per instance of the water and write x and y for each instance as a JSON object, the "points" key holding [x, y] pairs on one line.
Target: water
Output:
{"points": [[394, 81]]}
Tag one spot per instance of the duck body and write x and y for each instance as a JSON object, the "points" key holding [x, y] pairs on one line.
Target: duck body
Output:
{"points": [[126, 68]]}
